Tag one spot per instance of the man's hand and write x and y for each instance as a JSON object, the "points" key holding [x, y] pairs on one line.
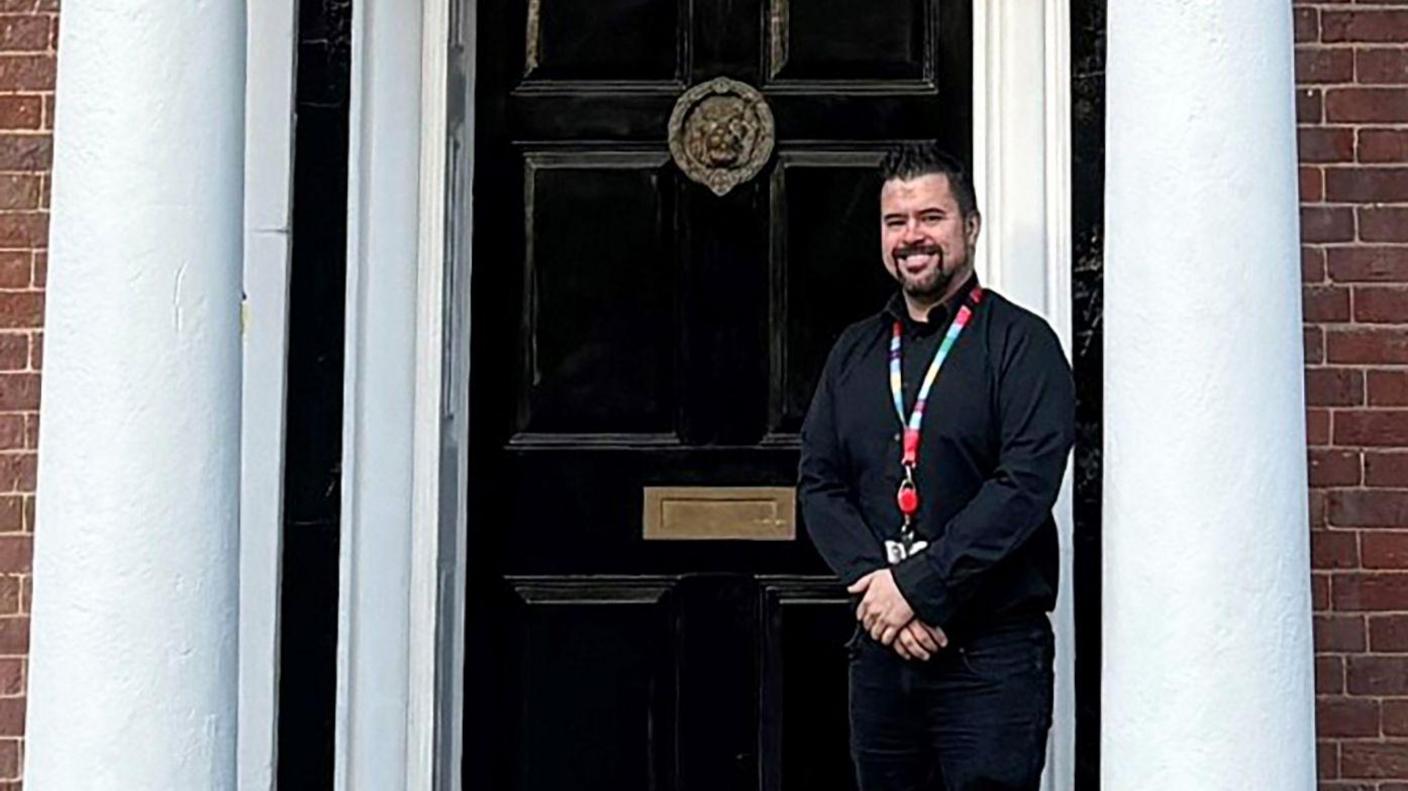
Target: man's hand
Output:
{"points": [[918, 640], [883, 610]]}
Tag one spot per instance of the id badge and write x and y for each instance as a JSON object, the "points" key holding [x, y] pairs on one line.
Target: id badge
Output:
{"points": [[896, 551]]}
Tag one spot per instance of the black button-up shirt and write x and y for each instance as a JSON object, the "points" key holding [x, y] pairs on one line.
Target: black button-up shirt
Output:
{"points": [[998, 428]]}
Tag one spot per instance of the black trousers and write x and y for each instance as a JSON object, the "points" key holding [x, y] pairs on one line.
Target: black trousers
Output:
{"points": [[974, 717]]}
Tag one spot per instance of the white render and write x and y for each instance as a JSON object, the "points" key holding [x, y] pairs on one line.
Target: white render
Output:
{"points": [[133, 656], [1207, 678], [1021, 171], [379, 422]]}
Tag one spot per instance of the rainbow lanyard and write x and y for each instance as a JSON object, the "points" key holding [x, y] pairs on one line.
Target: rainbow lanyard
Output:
{"points": [[908, 495]]}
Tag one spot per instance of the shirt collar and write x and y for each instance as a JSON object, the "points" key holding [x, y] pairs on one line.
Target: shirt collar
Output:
{"points": [[938, 315]]}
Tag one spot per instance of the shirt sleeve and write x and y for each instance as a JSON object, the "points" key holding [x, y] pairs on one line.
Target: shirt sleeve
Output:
{"points": [[828, 504], [1036, 409]]}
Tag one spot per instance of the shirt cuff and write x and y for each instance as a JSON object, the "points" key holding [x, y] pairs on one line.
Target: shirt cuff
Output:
{"points": [[924, 589]]}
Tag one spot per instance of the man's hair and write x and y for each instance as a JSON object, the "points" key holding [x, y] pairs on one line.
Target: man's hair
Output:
{"points": [[912, 160]]}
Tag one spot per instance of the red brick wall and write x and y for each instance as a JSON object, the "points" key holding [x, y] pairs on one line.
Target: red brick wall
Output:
{"points": [[28, 35], [1352, 104]]}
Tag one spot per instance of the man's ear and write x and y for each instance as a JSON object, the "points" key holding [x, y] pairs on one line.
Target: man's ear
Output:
{"points": [[972, 226]]}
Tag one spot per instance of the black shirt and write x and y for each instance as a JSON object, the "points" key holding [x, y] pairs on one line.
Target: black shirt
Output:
{"points": [[997, 430]]}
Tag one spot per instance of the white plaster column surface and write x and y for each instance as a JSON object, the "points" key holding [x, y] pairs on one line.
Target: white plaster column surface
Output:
{"points": [[133, 655], [1207, 677]]}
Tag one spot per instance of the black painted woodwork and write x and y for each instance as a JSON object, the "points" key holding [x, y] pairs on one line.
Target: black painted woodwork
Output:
{"points": [[629, 328], [313, 410]]}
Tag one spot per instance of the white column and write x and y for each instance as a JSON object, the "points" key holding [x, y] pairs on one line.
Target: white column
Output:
{"points": [[134, 633], [1207, 679]]}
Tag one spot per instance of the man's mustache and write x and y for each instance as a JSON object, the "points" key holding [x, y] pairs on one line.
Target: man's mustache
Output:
{"points": [[921, 249]]}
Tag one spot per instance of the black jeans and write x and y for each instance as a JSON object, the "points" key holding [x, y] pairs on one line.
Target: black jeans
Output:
{"points": [[974, 717]]}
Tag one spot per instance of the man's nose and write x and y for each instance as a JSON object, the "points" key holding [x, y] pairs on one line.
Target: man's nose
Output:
{"points": [[911, 232]]}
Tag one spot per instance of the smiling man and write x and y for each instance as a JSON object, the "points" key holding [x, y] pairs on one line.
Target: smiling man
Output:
{"points": [[931, 457]]}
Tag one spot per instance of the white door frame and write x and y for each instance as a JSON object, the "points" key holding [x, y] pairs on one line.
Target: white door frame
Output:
{"points": [[401, 611]]}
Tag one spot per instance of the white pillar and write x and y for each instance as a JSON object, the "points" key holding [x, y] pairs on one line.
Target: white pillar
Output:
{"points": [[1207, 679], [134, 632]]}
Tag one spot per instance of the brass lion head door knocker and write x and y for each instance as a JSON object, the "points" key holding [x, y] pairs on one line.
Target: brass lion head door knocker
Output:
{"points": [[721, 133]]}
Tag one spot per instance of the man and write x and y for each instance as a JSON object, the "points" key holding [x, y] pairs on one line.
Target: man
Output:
{"points": [[937, 515]]}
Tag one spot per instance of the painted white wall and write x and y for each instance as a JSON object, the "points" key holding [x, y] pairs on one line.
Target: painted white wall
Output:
{"points": [[269, 97], [1207, 679], [133, 657], [1021, 171], [374, 616]]}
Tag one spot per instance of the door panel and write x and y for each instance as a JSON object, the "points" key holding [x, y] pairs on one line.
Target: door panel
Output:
{"points": [[630, 328]]}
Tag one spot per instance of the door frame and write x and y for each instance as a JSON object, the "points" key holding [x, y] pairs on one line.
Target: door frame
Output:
{"points": [[401, 630]]}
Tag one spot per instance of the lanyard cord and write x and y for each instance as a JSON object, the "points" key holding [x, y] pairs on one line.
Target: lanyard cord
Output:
{"points": [[908, 495]]}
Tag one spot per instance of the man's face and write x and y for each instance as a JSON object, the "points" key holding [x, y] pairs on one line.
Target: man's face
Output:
{"points": [[925, 241]]}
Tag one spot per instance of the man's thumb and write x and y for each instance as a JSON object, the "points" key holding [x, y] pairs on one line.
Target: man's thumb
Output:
{"points": [[860, 585]]}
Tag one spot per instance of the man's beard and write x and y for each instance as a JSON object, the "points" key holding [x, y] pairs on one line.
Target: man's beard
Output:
{"points": [[935, 281]]}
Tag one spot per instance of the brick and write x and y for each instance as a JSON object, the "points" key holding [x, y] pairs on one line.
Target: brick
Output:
{"points": [[24, 33], [10, 759], [9, 598], [19, 191], [1310, 106], [21, 310], [1320, 591], [14, 635], [1386, 468], [1320, 64], [1340, 634], [1373, 345], [31, 431], [1381, 304], [1317, 426], [24, 229], [1315, 505], [26, 152], [1307, 24], [11, 513], [1388, 633], [1325, 303], [1369, 508], [1382, 145], [1312, 185], [1327, 760], [1374, 759], [36, 351], [1378, 428], [11, 432], [1335, 467], [1366, 105], [15, 268], [21, 112], [1384, 550], [1367, 264], [1377, 675], [19, 392], [1333, 549], [1394, 717], [1329, 675], [1334, 387], [1320, 144], [1383, 224], [26, 73], [1314, 345], [1387, 388], [1383, 590], [1326, 224], [41, 268], [1366, 184], [1375, 65], [14, 351], [1312, 264], [1364, 26], [1346, 717]]}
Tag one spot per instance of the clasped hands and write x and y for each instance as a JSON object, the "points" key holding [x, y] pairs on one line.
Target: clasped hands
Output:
{"points": [[885, 614]]}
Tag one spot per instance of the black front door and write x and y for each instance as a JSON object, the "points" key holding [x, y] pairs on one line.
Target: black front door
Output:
{"points": [[635, 334]]}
